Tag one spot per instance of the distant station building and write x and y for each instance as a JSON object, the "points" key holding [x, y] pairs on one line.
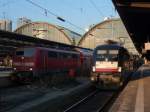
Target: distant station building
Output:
{"points": [[109, 29], [50, 32], [6, 25], [22, 21]]}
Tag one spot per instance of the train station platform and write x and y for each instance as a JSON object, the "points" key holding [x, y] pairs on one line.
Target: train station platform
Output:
{"points": [[136, 95]]}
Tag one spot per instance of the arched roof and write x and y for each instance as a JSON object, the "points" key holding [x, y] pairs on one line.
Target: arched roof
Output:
{"points": [[110, 29], [63, 30], [95, 26]]}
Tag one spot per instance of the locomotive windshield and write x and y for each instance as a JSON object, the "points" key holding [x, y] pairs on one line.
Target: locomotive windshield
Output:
{"points": [[109, 55], [27, 52]]}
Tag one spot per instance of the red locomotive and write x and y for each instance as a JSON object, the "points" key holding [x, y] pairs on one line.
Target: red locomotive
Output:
{"points": [[32, 62]]}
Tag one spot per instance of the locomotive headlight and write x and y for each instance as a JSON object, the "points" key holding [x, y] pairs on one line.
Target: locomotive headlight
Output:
{"points": [[30, 69], [92, 79], [93, 68], [22, 57], [119, 69]]}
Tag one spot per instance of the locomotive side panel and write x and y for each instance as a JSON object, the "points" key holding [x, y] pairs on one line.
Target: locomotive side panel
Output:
{"points": [[39, 61]]}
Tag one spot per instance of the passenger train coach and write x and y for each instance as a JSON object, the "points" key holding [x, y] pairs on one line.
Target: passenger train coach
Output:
{"points": [[36, 62], [111, 66]]}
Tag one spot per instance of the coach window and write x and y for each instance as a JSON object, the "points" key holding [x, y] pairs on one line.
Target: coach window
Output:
{"points": [[52, 54], [19, 53], [75, 56], [60, 55], [69, 56], [65, 55]]}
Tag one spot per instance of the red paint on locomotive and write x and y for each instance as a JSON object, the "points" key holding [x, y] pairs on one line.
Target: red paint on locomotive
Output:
{"points": [[109, 70]]}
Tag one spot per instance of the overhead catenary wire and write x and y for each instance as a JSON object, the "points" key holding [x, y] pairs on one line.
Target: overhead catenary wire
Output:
{"points": [[37, 5], [98, 10], [50, 12], [113, 9], [7, 3]]}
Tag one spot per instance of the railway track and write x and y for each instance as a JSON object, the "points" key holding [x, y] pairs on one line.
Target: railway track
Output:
{"points": [[96, 101]]}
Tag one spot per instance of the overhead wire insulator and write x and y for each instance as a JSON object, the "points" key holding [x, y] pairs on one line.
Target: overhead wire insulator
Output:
{"points": [[61, 19], [49, 12], [45, 12]]}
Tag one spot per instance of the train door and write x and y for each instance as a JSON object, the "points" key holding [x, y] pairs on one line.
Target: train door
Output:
{"points": [[43, 61]]}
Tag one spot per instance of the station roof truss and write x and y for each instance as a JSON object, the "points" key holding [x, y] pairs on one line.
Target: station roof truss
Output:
{"points": [[9, 41], [135, 14]]}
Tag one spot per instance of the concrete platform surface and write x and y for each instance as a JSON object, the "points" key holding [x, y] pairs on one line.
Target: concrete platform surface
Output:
{"points": [[136, 95]]}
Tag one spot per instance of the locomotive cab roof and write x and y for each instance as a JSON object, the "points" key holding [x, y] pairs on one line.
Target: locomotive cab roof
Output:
{"points": [[109, 46]]}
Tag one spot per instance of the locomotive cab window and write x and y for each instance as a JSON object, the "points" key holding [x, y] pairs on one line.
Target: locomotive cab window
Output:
{"points": [[101, 55], [27, 52], [110, 55], [113, 55], [101, 51]]}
